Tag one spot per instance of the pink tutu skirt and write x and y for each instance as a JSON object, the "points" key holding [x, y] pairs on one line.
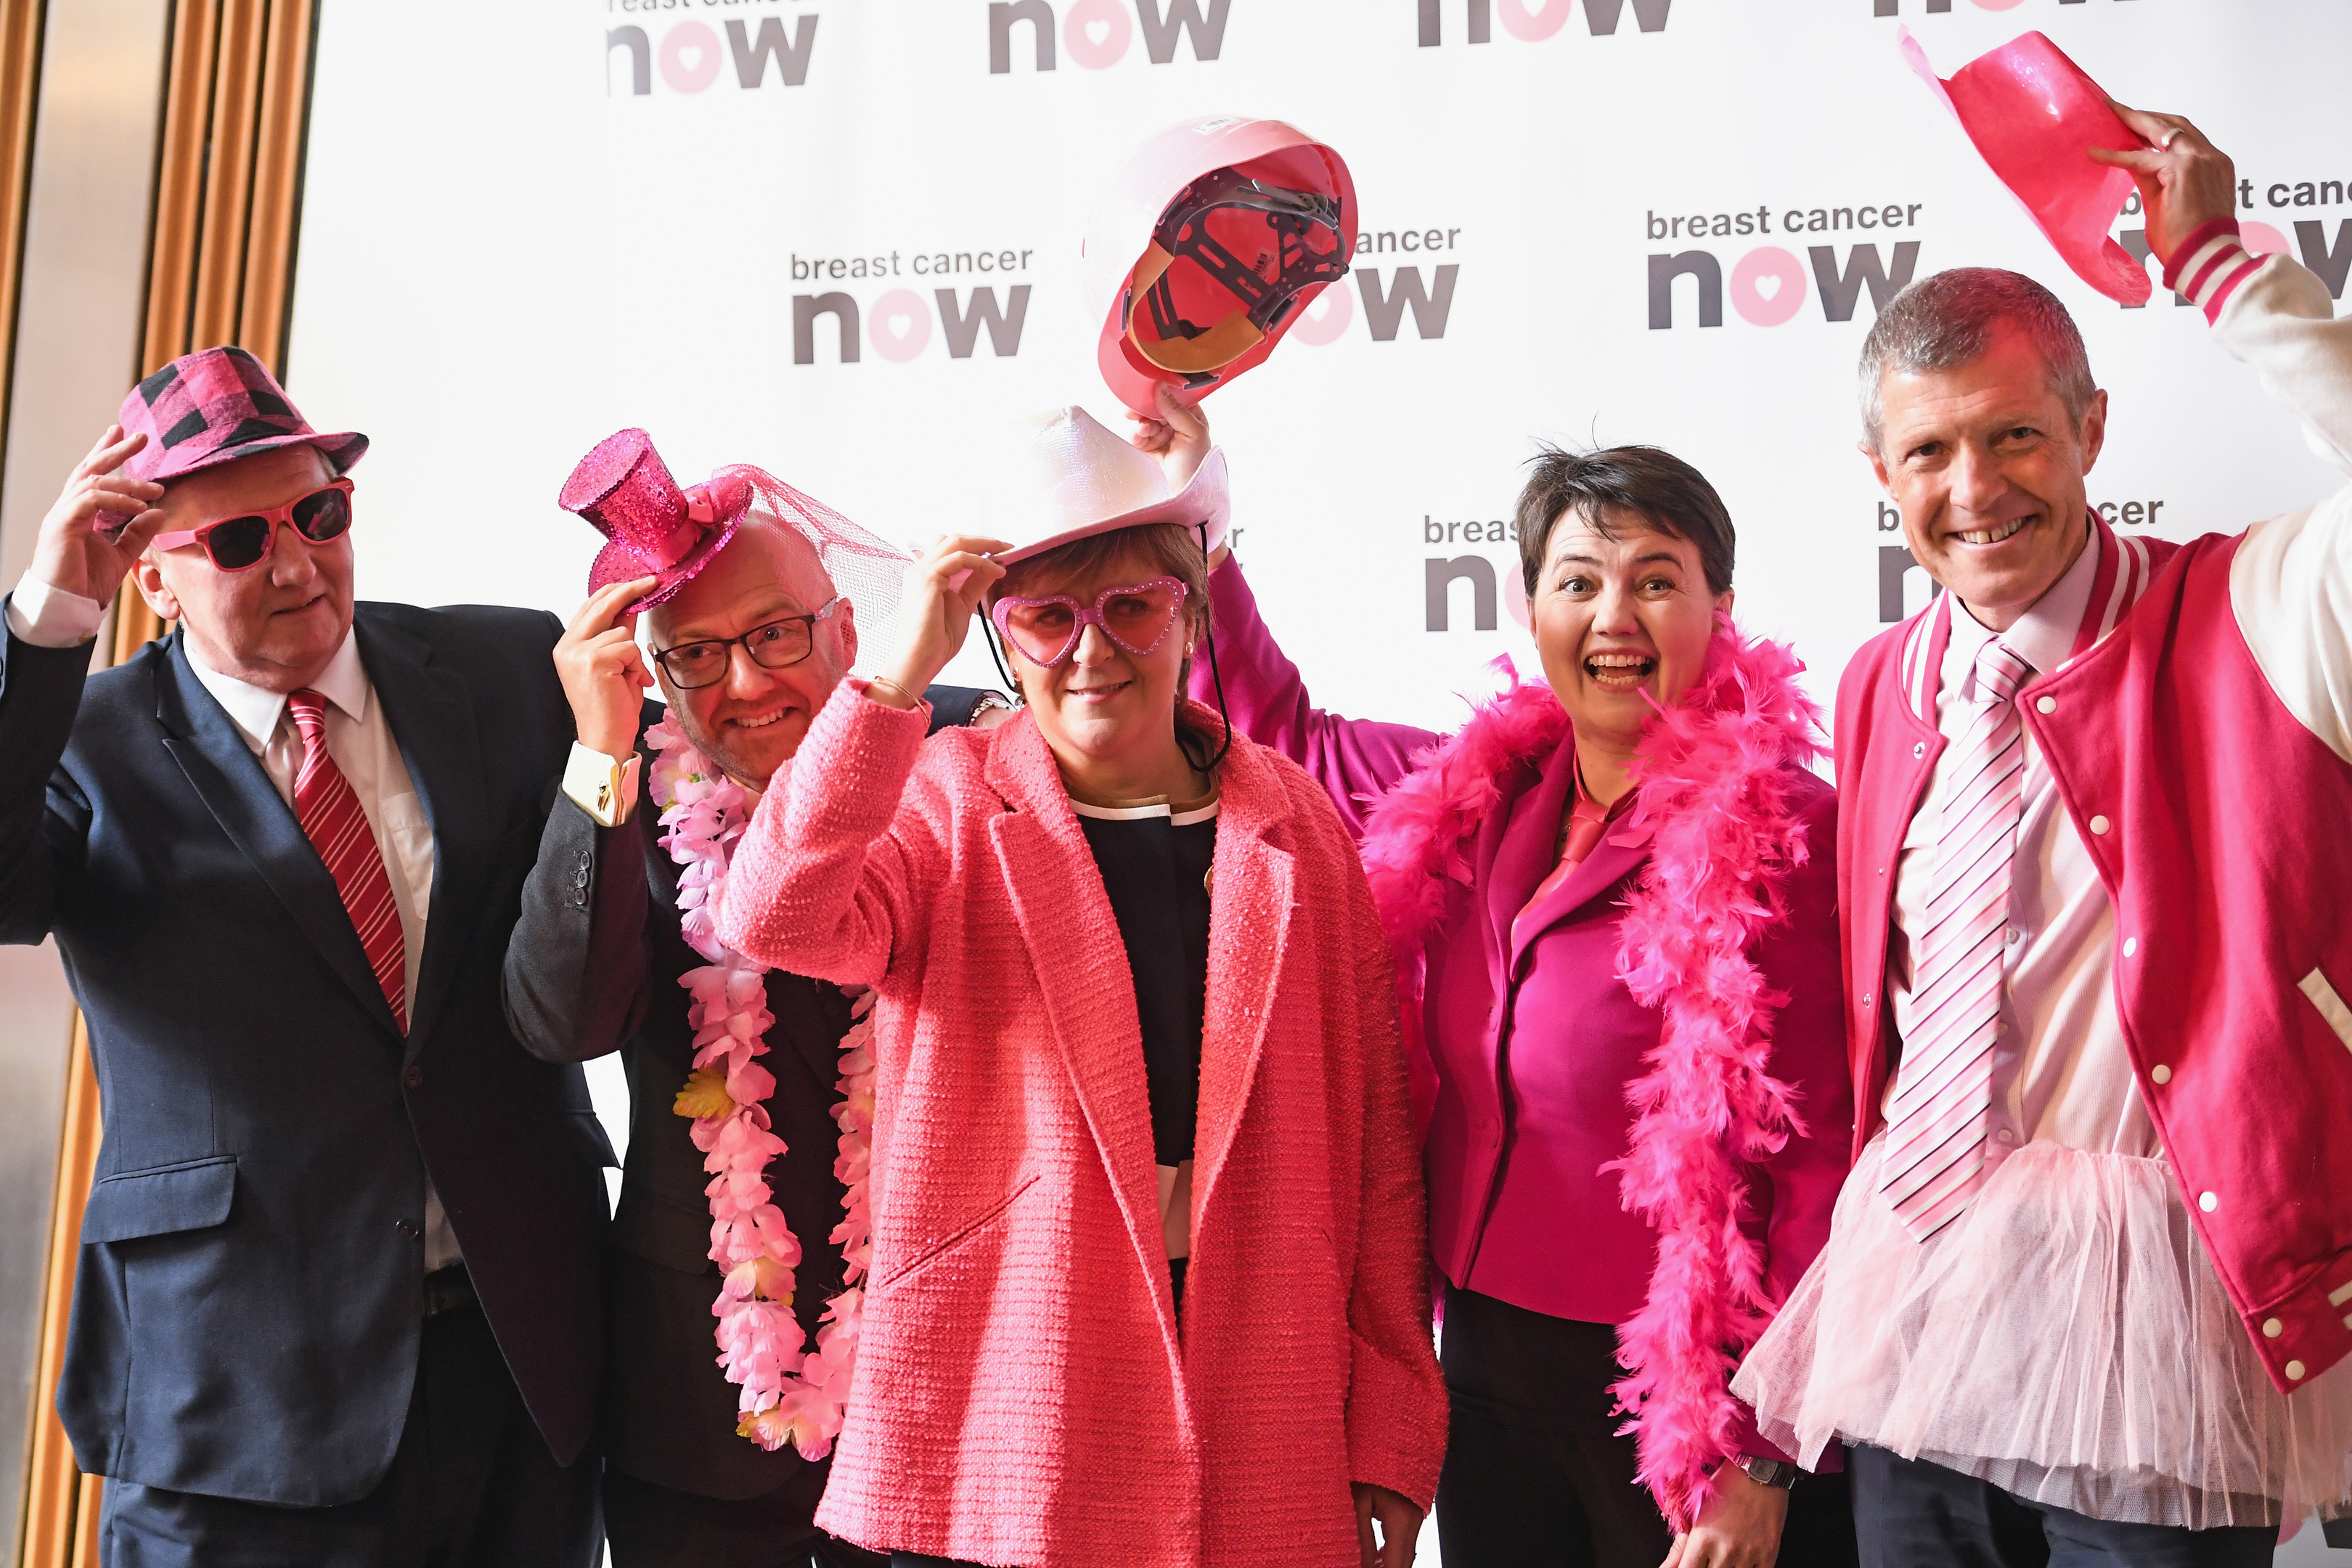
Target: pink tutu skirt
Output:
{"points": [[2066, 1339]]}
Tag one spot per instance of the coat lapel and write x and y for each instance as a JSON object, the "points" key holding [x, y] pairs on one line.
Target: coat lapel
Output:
{"points": [[1250, 916], [430, 712], [230, 780], [1518, 856], [1073, 942]]}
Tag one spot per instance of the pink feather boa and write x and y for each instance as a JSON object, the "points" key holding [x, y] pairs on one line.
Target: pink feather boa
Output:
{"points": [[1713, 794]]}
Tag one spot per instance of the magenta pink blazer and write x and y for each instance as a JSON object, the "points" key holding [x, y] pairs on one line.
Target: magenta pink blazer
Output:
{"points": [[1022, 1392], [1535, 1040]]}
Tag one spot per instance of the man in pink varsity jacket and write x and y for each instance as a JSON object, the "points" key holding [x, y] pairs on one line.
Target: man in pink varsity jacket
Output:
{"points": [[2088, 1294]]}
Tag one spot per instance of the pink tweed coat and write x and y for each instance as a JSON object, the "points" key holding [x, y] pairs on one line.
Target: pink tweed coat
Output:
{"points": [[1022, 1395]]}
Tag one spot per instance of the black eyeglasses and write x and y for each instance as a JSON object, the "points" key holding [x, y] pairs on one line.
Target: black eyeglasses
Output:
{"points": [[774, 646]]}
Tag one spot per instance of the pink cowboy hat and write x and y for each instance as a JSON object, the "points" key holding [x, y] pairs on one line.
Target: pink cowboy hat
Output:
{"points": [[2035, 116], [1213, 236]]}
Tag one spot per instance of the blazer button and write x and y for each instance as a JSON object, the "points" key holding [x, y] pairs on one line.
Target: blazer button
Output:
{"points": [[2046, 705], [2099, 826], [2209, 1202], [2160, 1074], [2272, 1328], [409, 1228], [2293, 1372], [414, 1076]]}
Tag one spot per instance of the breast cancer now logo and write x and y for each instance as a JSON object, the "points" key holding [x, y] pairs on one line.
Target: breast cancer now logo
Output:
{"points": [[1097, 34], [691, 57], [1532, 21], [899, 325]]}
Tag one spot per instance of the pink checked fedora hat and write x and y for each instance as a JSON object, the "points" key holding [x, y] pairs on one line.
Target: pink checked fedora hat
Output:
{"points": [[214, 406], [2033, 116], [1065, 476], [1212, 238]]}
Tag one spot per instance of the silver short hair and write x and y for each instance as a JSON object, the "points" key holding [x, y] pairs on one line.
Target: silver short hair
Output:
{"points": [[1944, 321]]}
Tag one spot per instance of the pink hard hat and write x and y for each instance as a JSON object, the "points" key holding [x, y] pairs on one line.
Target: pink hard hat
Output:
{"points": [[2035, 116], [1213, 238]]}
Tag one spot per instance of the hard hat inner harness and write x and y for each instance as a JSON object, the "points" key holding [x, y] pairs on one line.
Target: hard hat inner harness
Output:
{"points": [[1298, 246]]}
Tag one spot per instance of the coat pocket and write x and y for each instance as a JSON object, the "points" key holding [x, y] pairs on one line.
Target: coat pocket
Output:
{"points": [[927, 1256], [191, 1195]]}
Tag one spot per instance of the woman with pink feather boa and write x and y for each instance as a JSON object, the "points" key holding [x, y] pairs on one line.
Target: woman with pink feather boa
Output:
{"points": [[1611, 898]]}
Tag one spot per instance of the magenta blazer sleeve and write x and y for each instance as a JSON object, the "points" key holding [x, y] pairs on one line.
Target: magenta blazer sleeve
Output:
{"points": [[1796, 1190], [1355, 760], [820, 883]]}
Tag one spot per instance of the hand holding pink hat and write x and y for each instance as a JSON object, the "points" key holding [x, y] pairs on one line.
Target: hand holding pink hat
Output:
{"points": [[2035, 117]]}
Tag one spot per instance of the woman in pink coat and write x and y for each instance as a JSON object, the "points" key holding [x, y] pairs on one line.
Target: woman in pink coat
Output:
{"points": [[1148, 1282], [1612, 900]]}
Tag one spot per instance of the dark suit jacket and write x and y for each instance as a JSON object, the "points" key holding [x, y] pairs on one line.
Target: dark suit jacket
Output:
{"points": [[247, 1300], [593, 968]]}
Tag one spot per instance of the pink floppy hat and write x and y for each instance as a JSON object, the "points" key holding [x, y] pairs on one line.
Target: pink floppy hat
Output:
{"points": [[213, 406], [2035, 116], [1211, 239], [654, 528]]}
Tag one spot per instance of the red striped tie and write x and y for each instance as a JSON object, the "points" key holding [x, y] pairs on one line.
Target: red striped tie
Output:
{"points": [[338, 829], [1934, 1157]]}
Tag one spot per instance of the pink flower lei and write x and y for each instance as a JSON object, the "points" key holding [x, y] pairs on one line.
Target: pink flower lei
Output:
{"points": [[791, 1393]]}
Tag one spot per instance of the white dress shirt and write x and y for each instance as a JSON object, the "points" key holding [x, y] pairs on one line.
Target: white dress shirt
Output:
{"points": [[2061, 1069], [363, 746]]}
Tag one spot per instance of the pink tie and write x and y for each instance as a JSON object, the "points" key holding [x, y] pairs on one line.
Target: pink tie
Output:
{"points": [[1934, 1158], [332, 819]]}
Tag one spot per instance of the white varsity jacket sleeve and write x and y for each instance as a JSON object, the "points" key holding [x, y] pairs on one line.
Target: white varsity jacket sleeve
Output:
{"points": [[2291, 583]]}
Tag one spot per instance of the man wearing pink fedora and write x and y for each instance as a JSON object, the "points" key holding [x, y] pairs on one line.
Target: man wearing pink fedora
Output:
{"points": [[754, 595], [337, 1295]]}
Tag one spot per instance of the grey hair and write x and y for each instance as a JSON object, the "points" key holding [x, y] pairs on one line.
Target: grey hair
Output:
{"points": [[1944, 321]]}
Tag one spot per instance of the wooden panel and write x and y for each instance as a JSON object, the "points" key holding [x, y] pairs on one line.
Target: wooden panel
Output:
{"points": [[20, 50], [55, 1499], [228, 175], [180, 181], [277, 151]]}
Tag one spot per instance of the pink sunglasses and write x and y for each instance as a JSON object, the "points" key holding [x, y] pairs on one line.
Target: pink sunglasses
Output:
{"points": [[234, 543], [1047, 630]]}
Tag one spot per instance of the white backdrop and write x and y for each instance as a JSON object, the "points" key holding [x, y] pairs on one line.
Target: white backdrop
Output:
{"points": [[509, 250]]}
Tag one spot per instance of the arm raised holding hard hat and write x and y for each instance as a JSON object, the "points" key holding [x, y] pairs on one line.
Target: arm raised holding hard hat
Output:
{"points": [[2088, 1280]]}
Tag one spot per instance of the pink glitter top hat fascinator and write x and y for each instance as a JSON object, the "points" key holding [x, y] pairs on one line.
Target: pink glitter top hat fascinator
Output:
{"points": [[656, 528], [1213, 238], [2035, 116]]}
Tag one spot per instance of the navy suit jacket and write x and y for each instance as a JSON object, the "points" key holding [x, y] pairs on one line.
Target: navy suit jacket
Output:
{"points": [[248, 1296], [594, 967]]}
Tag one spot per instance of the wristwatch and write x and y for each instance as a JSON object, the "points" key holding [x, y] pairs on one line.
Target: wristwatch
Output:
{"points": [[1779, 1473]]}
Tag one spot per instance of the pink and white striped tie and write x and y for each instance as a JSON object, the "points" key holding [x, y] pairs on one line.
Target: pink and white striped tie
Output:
{"points": [[337, 826], [1935, 1158]]}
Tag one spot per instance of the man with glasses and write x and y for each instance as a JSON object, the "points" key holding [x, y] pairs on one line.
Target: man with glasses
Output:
{"points": [[750, 636], [337, 1296]]}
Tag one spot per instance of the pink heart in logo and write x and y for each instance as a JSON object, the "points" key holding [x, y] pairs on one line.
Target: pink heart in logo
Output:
{"points": [[899, 325], [1323, 320], [1766, 307], [1095, 33]]}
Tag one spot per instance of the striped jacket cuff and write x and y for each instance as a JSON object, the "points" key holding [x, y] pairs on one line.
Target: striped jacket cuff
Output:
{"points": [[2209, 266]]}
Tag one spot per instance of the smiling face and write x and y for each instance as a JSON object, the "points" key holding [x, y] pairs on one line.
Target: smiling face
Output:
{"points": [[751, 722], [277, 622], [1620, 622], [1108, 714], [1989, 468]]}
